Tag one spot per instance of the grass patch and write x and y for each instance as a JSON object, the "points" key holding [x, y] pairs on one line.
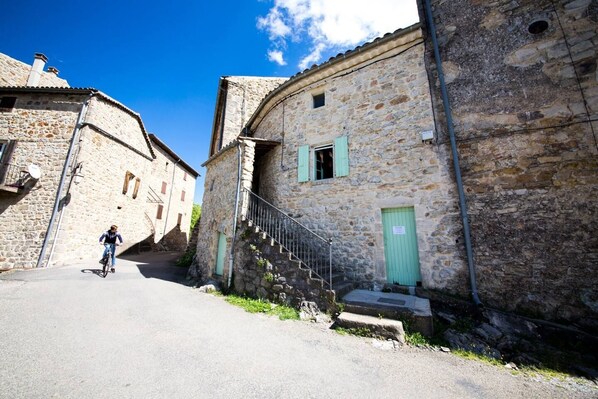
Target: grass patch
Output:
{"points": [[475, 356], [262, 306], [416, 339], [359, 331]]}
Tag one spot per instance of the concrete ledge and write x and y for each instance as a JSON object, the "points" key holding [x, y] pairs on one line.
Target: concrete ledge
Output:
{"points": [[414, 311], [385, 328]]}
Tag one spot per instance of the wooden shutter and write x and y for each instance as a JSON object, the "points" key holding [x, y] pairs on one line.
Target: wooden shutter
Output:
{"points": [[159, 215], [341, 156], [303, 164], [136, 189]]}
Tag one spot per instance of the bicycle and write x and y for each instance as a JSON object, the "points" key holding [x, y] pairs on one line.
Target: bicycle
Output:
{"points": [[107, 261]]}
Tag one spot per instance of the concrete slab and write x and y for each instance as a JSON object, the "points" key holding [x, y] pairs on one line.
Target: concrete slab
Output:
{"points": [[411, 309], [384, 328]]}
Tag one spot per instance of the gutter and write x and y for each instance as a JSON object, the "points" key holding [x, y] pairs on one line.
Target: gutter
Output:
{"points": [[451, 131], [232, 245], [67, 162], [169, 198]]}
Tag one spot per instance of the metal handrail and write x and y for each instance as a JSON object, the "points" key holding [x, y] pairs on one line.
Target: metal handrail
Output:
{"points": [[12, 175], [310, 248]]}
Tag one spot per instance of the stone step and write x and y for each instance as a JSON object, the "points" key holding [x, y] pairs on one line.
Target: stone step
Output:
{"points": [[412, 310], [342, 288], [381, 327]]}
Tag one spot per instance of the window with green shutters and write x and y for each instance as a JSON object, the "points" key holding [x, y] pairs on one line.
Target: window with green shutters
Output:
{"points": [[327, 161]]}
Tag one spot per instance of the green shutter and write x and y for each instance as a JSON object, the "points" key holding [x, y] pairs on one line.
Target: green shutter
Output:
{"points": [[341, 156], [303, 164]]}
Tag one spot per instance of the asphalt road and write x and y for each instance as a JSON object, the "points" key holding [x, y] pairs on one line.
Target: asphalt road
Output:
{"points": [[139, 333]]}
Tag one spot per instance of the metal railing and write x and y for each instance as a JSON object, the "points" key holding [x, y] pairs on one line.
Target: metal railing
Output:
{"points": [[12, 175], [312, 250]]}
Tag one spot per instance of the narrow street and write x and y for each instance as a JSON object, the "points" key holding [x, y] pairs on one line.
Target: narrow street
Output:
{"points": [[140, 333]]}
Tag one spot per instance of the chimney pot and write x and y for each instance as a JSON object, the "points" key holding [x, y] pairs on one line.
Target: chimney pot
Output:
{"points": [[37, 69], [53, 70], [40, 56]]}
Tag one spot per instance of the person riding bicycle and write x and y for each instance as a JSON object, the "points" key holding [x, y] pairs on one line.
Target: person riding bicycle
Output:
{"points": [[109, 242]]}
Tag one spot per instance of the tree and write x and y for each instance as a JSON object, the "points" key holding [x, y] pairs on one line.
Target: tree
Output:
{"points": [[195, 216]]}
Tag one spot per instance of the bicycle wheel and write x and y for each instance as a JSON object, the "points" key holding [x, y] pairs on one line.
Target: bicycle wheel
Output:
{"points": [[106, 267]]}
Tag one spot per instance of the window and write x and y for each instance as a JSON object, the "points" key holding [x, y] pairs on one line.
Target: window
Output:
{"points": [[166, 166], [163, 187], [136, 189], [183, 195], [128, 177], [319, 100], [327, 161], [179, 220], [324, 162], [159, 214], [7, 103], [185, 176]]}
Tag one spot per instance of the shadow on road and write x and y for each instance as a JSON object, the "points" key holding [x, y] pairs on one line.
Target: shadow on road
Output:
{"points": [[97, 272], [160, 265]]}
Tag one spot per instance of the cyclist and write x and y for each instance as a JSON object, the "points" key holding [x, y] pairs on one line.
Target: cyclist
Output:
{"points": [[109, 241]]}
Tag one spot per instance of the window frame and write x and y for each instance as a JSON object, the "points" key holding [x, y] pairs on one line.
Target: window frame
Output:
{"points": [[318, 99], [314, 158]]}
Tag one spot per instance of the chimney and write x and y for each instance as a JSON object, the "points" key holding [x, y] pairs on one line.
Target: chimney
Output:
{"points": [[37, 69], [53, 70]]}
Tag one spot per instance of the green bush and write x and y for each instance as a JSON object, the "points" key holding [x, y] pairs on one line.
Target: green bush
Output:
{"points": [[186, 259], [195, 216]]}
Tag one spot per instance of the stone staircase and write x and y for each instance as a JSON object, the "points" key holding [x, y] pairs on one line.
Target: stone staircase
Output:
{"points": [[381, 307]]}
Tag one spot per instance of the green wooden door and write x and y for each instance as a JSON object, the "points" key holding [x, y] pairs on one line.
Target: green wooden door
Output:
{"points": [[221, 254], [400, 246]]}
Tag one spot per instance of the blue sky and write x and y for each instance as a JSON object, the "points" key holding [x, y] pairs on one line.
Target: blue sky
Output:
{"points": [[163, 59]]}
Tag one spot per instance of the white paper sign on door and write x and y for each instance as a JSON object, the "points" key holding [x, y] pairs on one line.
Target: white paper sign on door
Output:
{"points": [[398, 230]]}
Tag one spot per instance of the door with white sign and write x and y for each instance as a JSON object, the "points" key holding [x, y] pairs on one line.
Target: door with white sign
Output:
{"points": [[400, 246]]}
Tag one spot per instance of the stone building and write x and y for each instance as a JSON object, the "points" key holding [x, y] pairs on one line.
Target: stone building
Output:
{"points": [[522, 89], [342, 149], [73, 162], [358, 150]]}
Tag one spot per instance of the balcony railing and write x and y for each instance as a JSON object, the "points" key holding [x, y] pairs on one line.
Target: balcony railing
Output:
{"points": [[12, 175], [312, 250]]}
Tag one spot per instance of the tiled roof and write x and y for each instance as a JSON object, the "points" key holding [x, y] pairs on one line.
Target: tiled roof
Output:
{"points": [[167, 149]]}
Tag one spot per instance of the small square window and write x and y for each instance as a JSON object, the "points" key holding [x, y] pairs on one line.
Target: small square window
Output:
{"points": [[7, 103], [319, 100], [324, 162]]}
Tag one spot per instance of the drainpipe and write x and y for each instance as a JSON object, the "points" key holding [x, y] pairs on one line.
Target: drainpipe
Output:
{"points": [[170, 197], [232, 245], [449, 122], [69, 154]]}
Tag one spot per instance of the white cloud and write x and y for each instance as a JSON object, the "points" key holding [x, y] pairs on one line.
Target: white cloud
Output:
{"points": [[276, 56], [327, 25]]}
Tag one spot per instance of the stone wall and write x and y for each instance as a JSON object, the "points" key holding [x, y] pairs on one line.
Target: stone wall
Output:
{"points": [[522, 101], [177, 179], [381, 105], [243, 95], [43, 125], [217, 211], [106, 155]]}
